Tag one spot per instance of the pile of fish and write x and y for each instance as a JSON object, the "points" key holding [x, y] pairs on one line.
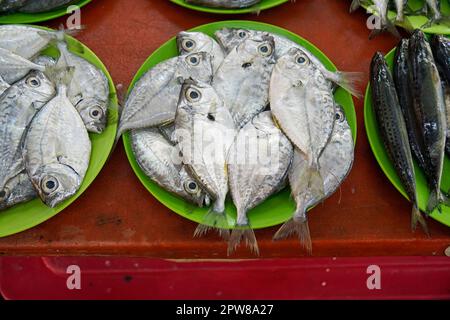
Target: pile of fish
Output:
{"points": [[32, 6], [430, 8], [227, 4], [47, 107], [412, 108], [244, 114]]}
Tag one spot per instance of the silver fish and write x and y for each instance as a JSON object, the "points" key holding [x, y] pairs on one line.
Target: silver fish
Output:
{"points": [[228, 4], [57, 148], [382, 7], [3, 86], [400, 6], [258, 164], [11, 5], [88, 91], [336, 162], [302, 103], [153, 100], [242, 80], [205, 131], [229, 38], [18, 190], [194, 42], [159, 160], [33, 6], [45, 61], [13, 67], [18, 106]]}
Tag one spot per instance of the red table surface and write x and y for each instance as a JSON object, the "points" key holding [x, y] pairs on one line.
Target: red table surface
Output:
{"points": [[117, 216]]}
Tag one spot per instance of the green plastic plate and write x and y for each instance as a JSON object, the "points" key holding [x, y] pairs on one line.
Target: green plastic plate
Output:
{"points": [[278, 208], [15, 18], [263, 5], [28, 215], [416, 21], [381, 155]]}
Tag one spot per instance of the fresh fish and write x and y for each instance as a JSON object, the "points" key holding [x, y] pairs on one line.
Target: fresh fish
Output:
{"points": [[27, 41], [57, 148], [436, 15], [18, 190], [230, 38], [13, 67], [429, 107], [243, 79], [3, 86], [336, 162], [441, 52], [45, 61], [381, 7], [154, 98], [88, 90], [11, 5], [160, 161], [402, 72], [205, 131], [400, 6], [195, 42], [33, 6], [393, 131], [447, 107], [228, 4], [18, 106], [258, 163], [303, 106]]}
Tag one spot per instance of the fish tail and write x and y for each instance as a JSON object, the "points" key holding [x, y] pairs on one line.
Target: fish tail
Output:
{"points": [[299, 227], [213, 220], [392, 29], [433, 200], [60, 76], [349, 82], [416, 217], [243, 233], [445, 20], [355, 5]]}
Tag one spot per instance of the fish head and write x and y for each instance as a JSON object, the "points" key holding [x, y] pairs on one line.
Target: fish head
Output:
{"points": [[189, 42], [198, 97], [296, 66], [230, 38], [193, 191], [378, 62], [55, 183], [261, 47], [38, 87], [94, 114], [197, 65]]}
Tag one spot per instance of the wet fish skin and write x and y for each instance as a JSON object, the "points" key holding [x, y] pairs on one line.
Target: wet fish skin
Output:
{"points": [[46, 61], [228, 4], [205, 130], [57, 147], [336, 163], [13, 67], [33, 6], [402, 73], [88, 90], [195, 42], [18, 190], [11, 5], [441, 52], [252, 181], [156, 93], [302, 104], [447, 107], [3, 86], [393, 131], [18, 106], [429, 107], [230, 38], [159, 160], [243, 79]]}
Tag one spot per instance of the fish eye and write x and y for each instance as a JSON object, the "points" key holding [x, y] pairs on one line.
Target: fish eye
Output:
{"points": [[49, 184], [96, 113], [4, 194], [242, 34], [265, 49], [33, 82], [193, 60], [191, 187], [302, 59], [188, 44], [340, 116], [193, 95]]}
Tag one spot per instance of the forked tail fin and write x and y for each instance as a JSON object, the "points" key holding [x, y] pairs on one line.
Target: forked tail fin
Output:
{"points": [[416, 217], [213, 221], [243, 233], [349, 82], [299, 227]]}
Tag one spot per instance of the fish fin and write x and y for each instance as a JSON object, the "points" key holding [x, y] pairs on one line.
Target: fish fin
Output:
{"points": [[374, 33], [392, 29], [243, 233], [349, 80], [299, 227], [213, 221], [72, 32], [60, 75], [442, 20], [416, 217], [355, 5], [433, 201]]}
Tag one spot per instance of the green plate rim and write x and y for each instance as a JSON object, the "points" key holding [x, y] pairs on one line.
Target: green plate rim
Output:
{"points": [[254, 8], [109, 135], [21, 18], [162, 196], [371, 130]]}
